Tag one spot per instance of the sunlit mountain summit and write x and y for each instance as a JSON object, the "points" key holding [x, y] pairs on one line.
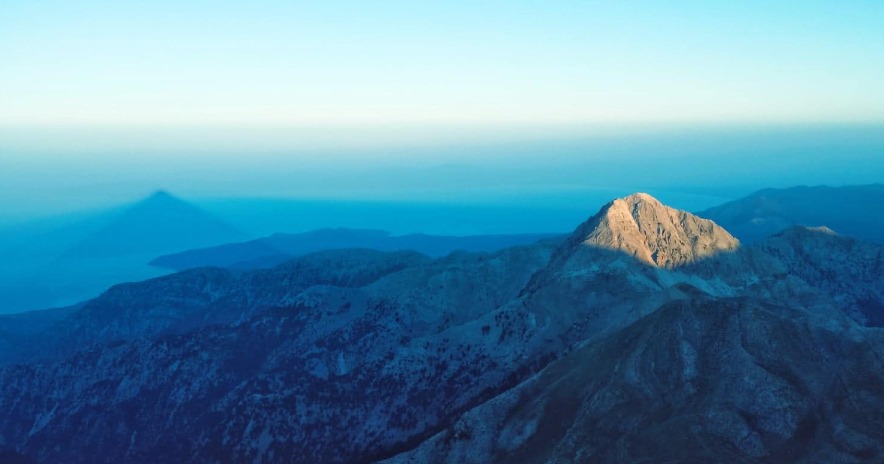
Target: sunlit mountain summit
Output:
{"points": [[645, 329], [653, 233]]}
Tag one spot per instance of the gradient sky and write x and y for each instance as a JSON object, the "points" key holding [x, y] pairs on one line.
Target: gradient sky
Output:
{"points": [[103, 101], [185, 62]]}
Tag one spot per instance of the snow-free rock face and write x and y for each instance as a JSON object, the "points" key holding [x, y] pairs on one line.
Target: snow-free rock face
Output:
{"points": [[339, 356], [810, 268], [653, 233], [714, 380], [192, 299], [648, 331]]}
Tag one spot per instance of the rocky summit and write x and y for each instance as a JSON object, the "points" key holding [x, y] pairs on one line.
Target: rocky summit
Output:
{"points": [[648, 335], [653, 233]]}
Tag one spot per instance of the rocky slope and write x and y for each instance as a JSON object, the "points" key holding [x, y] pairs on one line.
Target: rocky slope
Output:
{"points": [[854, 210], [646, 330], [333, 374], [275, 249], [642, 227], [190, 300], [711, 380]]}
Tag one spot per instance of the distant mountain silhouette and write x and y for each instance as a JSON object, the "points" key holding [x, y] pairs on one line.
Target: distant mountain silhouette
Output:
{"points": [[272, 250], [856, 211], [79, 259], [647, 335], [158, 223]]}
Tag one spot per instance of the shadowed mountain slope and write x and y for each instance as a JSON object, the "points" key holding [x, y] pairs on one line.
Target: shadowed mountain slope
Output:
{"points": [[708, 380], [856, 211], [584, 350], [272, 250]]}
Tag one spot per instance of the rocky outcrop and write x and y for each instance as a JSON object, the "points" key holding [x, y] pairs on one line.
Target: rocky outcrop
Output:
{"points": [[343, 368], [731, 380], [580, 350], [192, 299], [642, 227]]}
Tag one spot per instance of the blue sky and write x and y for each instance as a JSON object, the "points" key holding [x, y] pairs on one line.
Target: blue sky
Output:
{"points": [[104, 101], [260, 63]]}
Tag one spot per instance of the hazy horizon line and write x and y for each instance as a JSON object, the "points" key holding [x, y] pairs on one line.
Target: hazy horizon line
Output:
{"points": [[322, 137]]}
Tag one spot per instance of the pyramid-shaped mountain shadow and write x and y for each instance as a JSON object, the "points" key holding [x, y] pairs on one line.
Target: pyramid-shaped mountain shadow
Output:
{"points": [[359, 355], [156, 224], [81, 259], [610, 260]]}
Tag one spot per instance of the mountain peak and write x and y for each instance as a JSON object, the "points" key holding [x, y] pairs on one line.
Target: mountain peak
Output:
{"points": [[160, 197], [161, 194], [822, 230], [157, 224], [807, 231], [656, 234], [640, 197]]}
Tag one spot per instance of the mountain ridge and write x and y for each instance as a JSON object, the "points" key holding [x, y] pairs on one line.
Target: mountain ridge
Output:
{"points": [[853, 210], [274, 249], [653, 233], [330, 358]]}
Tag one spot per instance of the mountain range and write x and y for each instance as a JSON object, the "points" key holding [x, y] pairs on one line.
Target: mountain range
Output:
{"points": [[853, 210], [68, 260], [278, 248], [850, 210], [647, 334]]}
